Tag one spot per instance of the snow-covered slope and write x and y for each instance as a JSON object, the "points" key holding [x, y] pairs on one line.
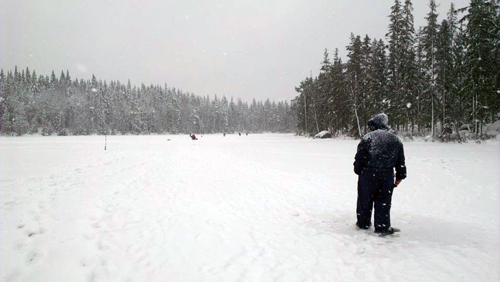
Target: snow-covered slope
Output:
{"points": [[239, 208]]}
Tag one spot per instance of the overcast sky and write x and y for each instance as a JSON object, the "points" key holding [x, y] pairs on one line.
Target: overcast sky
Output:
{"points": [[246, 49]]}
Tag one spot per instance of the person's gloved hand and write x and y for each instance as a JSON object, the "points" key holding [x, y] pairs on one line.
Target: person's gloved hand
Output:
{"points": [[396, 183]]}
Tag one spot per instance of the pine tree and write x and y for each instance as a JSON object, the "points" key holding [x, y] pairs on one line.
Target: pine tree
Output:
{"points": [[459, 94], [6, 120], [444, 66], [135, 120], [28, 76], [354, 79], [395, 60], [53, 80], [430, 43], [366, 97], [340, 95], [422, 83], [455, 77], [19, 121], [408, 69], [305, 102], [323, 103], [224, 114], [378, 68], [481, 60]]}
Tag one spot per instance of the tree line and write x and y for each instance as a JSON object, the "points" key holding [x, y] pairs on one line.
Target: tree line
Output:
{"points": [[430, 81], [48, 105]]}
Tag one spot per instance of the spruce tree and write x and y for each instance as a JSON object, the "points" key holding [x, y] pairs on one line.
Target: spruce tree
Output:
{"points": [[366, 97], [354, 81], [481, 60], [455, 76], [430, 44], [53, 80], [422, 83], [324, 102], [342, 110], [408, 69], [378, 76], [444, 66], [395, 60], [5, 120]]}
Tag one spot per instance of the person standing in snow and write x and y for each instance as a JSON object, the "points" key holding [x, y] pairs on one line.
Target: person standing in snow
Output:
{"points": [[379, 153]]}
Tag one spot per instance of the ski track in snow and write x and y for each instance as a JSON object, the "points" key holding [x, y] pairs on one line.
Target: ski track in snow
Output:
{"points": [[239, 208]]}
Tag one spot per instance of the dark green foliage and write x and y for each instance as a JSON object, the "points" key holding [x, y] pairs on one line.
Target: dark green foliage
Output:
{"points": [[429, 82], [482, 64], [51, 106]]}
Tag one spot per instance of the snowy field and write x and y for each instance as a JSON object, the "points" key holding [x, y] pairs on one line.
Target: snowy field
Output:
{"points": [[239, 208]]}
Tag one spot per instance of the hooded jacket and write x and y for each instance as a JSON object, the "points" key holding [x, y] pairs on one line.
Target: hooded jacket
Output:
{"points": [[380, 149]]}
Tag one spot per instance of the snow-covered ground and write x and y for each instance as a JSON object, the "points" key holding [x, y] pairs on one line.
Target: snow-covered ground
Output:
{"points": [[239, 208]]}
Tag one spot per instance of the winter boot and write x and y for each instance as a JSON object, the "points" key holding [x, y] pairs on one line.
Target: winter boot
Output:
{"points": [[388, 231]]}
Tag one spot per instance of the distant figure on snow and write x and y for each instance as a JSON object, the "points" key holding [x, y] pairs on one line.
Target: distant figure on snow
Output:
{"points": [[193, 137], [379, 152]]}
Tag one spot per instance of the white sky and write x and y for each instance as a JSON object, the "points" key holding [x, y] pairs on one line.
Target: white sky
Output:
{"points": [[246, 49]]}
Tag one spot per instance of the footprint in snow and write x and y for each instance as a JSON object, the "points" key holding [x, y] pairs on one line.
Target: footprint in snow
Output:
{"points": [[33, 233], [102, 246], [33, 257], [86, 262]]}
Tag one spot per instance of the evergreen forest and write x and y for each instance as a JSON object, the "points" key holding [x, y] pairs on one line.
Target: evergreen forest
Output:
{"points": [[434, 80], [48, 105]]}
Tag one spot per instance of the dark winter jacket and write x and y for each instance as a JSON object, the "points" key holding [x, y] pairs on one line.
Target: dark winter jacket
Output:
{"points": [[380, 149]]}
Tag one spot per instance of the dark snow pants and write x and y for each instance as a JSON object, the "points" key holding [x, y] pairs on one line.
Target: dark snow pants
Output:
{"points": [[375, 186]]}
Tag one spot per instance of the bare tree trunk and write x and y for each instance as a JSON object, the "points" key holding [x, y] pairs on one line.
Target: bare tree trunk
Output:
{"points": [[444, 110], [444, 102], [305, 111], [474, 119], [458, 132], [419, 121], [433, 89], [412, 125], [357, 119], [355, 108], [316, 117], [432, 117]]}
